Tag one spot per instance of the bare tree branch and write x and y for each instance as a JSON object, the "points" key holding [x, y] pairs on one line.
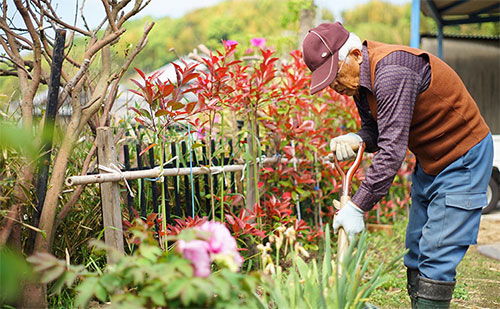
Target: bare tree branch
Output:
{"points": [[137, 8], [6, 29], [103, 42], [29, 92], [111, 18], [114, 88], [52, 15], [85, 24]]}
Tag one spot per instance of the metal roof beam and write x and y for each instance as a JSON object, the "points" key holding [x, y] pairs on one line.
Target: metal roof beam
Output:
{"points": [[486, 9], [451, 5], [472, 20], [431, 5]]}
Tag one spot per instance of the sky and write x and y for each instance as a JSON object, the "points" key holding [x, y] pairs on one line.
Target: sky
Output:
{"points": [[177, 8]]}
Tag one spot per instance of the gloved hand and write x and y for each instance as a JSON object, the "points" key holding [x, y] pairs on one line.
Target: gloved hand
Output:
{"points": [[350, 217], [345, 146]]}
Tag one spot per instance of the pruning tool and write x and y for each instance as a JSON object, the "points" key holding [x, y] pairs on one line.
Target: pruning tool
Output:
{"points": [[343, 239]]}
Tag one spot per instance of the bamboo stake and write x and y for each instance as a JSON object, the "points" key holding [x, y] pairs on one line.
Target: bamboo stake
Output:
{"points": [[155, 172]]}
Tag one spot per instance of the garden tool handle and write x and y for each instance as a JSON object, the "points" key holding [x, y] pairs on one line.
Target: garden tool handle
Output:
{"points": [[347, 178], [343, 239]]}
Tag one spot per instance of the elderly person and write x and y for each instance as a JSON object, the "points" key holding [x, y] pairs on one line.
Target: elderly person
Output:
{"points": [[409, 99]]}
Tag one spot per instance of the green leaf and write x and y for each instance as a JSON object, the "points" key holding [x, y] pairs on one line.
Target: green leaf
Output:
{"points": [[100, 293], [145, 113], [150, 252], [52, 274], [162, 112], [309, 155], [175, 105], [57, 286], [302, 267], [158, 298], [188, 295], [85, 291], [196, 145], [174, 289]]}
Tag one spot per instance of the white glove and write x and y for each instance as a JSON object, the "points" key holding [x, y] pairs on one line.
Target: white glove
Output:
{"points": [[350, 217], [345, 146]]}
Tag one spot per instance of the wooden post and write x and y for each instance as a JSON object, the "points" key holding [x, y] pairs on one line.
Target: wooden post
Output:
{"points": [[110, 194]]}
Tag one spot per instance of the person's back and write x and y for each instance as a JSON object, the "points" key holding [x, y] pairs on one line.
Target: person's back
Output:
{"points": [[446, 121], [408, 98]]}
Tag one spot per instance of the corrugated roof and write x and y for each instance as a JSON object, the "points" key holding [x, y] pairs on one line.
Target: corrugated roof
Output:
{"points": [[463, 36], [453, 12]]}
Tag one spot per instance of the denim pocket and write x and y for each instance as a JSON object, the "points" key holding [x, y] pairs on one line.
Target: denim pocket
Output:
{"points": [[462, 218]]}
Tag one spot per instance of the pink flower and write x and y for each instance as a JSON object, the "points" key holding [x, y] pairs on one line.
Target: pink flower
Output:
{"points": [[220, 239], [214, 243], [197, 252], [258, 42], [222, 244], [248, 51], [230, 43]]}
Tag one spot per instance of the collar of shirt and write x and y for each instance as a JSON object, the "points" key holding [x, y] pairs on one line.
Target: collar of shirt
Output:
{"points": [[364, 70]]}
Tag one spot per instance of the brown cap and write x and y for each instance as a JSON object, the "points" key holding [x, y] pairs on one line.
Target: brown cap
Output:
{"points": [[321, 53]]}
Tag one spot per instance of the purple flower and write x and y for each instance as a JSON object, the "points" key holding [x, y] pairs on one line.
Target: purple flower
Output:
{"points": [[230, 43], [197, 252], [258, 42]]}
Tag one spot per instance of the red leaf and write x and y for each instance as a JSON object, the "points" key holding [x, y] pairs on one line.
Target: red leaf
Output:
{"points": [[167, 89], [230, 219], [139, 120], [147, 148], [189, 77], [140, 73], [190, 107], [135, 110]]}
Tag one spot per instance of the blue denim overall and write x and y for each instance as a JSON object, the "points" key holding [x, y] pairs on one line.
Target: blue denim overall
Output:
{"points": [[446, 211]]}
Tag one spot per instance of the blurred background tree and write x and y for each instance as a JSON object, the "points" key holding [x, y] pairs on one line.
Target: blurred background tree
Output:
{"points": [[275, 20]]}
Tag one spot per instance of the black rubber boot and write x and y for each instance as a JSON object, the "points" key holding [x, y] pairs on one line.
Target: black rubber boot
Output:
{"points": [[434, 294], [412, 285]]}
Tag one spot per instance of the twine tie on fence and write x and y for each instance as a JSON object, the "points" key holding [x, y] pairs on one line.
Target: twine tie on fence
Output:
{"points": [[114, 169], [243, 171], [160, 175]]}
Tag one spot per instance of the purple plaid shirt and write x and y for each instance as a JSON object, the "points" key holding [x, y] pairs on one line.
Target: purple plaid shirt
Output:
{"points": [[399, 78]]}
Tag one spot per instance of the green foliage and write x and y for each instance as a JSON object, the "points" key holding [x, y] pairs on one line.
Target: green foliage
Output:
{"points": [[150, 277], [294, 9], [384, 22], [15, 138], [14, 271], [308, 285], [390, 23], [239, 20]]}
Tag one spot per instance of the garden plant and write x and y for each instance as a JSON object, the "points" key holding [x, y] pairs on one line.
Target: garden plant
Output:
{"points": [[270, 250], [175, 264]]}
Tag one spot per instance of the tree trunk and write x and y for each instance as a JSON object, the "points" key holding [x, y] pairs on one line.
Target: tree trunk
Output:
{"points": [[48, 215], [306, 22]]}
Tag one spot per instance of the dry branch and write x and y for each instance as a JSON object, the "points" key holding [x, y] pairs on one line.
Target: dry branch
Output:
{"points": [[114, 88]]}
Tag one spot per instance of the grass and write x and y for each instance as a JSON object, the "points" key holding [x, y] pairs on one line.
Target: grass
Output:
{"points": [[478, 277]]}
